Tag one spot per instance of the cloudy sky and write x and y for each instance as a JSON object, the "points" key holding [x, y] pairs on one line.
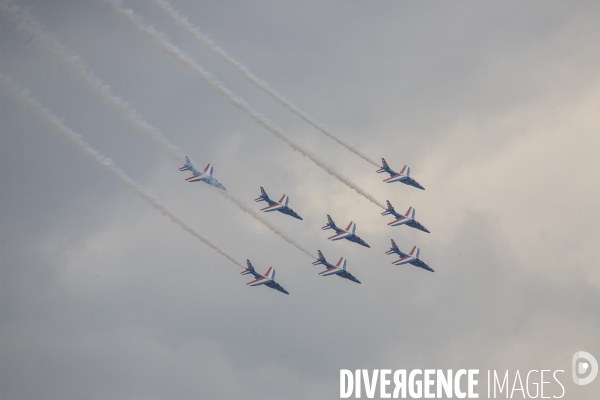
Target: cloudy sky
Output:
{"points": [[494, 106]]}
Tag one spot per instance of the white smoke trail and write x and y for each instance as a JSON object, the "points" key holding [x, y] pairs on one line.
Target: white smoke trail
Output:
{"points": [[30, 25], [106, 163], [33, 27], [256, 216], [184, 23], [185, 60]]}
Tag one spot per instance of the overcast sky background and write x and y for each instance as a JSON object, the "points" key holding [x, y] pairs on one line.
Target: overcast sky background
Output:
{"points": [[494, 106]]}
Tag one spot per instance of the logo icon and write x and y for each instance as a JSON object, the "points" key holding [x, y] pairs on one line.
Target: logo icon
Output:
{"points": [[582, 363]]}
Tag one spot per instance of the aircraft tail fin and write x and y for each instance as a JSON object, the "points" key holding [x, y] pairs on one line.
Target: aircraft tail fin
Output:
{"points": [[389, 209], [392, 249], [187, 166], [249, 268], [263, 195], [384, 166], [319, 260], [330, 223]]}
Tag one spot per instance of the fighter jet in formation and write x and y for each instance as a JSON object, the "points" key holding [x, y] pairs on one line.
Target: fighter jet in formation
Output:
{"points": [[281, 205], [267, 279], [410, 258], [406, 219], [204, 176], [339, 269], [403, 176], [348, 233]]}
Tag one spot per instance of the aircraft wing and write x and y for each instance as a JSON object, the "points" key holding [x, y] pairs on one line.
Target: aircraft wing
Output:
{"points": [[330, 271], [399, 221], [260, 281], [404, 260], [394, 178], [341, 235], [200, 176], [273, 207]]}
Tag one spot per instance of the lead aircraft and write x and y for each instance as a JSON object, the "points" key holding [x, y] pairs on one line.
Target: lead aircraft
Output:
{"points": [[407, 219], [281, 205], [348, 233], [204, 176], [339, 269], [402, 176], [267, 279], [410, 258]]}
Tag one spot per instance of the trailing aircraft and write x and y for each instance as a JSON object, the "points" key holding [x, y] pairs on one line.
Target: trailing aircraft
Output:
{"points": [[281, 205], [410, 258], [402, 176], [339, 269], [348, 233], [204, 176], [267, 279], [407, 219]]}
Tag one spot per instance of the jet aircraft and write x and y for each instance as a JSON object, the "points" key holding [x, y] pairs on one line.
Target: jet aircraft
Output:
{"points": [[348, 233], [281, 205], [205, 176], [410, 258], [267, 279], [338, 269], [403, 176], [406, 219]]}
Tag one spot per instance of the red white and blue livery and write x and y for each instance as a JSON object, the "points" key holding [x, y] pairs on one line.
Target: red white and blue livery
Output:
{"points": [[348, 233], [402, 176], [267, 279], [204, 176], [281, 205], [407, 219], [410, 258], [338, 269]]}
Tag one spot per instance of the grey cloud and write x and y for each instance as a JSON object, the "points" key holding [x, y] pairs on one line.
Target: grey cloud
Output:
{"points": [[103, 298]]}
